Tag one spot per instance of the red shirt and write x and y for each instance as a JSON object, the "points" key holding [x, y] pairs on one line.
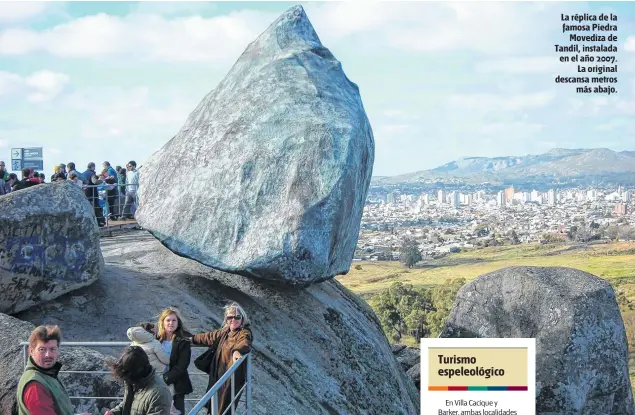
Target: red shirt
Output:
{"points": [[38, 399]]}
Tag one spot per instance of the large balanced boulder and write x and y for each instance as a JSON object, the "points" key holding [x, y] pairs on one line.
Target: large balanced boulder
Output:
{"points": [[318, 350], [581, 346], [49, 245], [12, 364], [269, 175]]}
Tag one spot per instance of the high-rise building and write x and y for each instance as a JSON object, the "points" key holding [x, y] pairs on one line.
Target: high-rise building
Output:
{"points": [[441, 196], [551, 197], [592, 195], [620, 209], [627, 196], [470, 199], [535, 196], [455, 199], [509, 193], [526, 198], [501, 198], [426, 199]]}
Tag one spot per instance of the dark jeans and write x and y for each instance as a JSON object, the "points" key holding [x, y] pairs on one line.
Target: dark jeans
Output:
{"points": [[179, 403], [112, 197], [130, 200]]}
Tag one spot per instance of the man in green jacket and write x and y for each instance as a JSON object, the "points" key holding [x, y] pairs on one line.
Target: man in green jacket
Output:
{"points": [[145, 391], [39, 391]]}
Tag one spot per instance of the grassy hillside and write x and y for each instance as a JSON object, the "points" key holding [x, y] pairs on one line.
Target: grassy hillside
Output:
{"points": [[609, 261], [614, 262]]}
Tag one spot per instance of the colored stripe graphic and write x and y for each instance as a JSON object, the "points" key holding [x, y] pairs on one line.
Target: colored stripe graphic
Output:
{"points": [[476, 388]]}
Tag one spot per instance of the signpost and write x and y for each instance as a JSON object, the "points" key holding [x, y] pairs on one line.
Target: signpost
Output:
{"points": [[27, 158]]}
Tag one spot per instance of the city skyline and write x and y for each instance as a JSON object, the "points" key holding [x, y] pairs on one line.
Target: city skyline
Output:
{"points": [[439, 81]]}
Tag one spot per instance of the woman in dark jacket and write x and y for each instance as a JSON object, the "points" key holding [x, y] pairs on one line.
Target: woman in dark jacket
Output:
{"points": [[230, 342], [170, 327]]}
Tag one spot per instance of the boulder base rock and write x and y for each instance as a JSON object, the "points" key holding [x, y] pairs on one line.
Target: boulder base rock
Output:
{"points": [[12, 363], [318, 350], [410, 360], [49, 245], [581, 347], [269, 175]]}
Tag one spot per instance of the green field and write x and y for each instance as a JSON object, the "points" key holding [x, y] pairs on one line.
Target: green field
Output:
{"points": [[608, 261], [614, 262]]}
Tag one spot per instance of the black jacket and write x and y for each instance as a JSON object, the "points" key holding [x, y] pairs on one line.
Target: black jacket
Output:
{"points": [[177, 370], [23, 184]]}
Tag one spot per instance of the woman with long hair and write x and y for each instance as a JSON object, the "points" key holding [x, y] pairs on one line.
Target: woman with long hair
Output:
{"points": [[231, 341], [171, 328], [145, 393]]}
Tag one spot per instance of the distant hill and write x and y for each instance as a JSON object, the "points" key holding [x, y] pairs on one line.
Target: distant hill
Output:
{"points": [[558, 163]]}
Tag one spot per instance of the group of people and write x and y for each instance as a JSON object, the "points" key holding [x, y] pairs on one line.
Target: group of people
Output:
{"points": [[153, 369], [117, 183]]}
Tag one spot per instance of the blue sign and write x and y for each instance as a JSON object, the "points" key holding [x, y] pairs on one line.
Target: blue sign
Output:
{"points": [[27, 158], [33, 164], [33, 153]]}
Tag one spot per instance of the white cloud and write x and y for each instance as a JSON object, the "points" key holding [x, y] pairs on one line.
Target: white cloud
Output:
{"points": [[629, 45], [613, 124], [498, 102], [430, 27], [515, 129], [40, 86], [154, 37], [45, 85], [524, 65], [421, 27], [18, 11], [136, 112]]}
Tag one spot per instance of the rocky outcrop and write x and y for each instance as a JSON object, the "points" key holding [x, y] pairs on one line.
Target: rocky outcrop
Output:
{"points": [[317, 350], [12, 364], [410, 360], [49, 245], [581, 347], [279, 158]]}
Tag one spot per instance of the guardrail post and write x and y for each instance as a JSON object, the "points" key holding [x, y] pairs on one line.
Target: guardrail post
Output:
{"points": [[233, 404], [248, 384], [215, 404]]}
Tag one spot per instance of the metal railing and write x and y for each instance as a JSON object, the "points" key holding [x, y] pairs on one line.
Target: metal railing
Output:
{"points": [[112, 203], [211, 394]]}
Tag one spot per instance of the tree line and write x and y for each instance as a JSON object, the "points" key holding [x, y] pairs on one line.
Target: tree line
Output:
{"points": [[404, 310]]}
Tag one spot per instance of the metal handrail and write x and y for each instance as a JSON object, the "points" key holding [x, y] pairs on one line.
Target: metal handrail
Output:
{"points": [[211, 394]]}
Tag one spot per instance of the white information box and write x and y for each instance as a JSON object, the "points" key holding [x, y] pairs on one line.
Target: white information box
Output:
{"points": [[471, 376]]}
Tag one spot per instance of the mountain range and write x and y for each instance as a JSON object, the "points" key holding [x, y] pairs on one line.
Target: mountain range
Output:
{"points": [[556, 164]]}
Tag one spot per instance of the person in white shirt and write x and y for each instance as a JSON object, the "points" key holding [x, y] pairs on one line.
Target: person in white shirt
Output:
{"points": [[132, 185]]}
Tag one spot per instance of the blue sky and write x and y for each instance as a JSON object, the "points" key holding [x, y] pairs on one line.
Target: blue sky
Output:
{"points": [[439, 81]]}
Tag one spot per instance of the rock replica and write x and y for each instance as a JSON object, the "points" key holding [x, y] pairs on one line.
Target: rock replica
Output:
{"points": [[49, 245], [12, 366], [581, 346], [278, 160]]}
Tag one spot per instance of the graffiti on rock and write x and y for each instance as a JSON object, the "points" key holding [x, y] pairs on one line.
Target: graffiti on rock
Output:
{"points": [[53, 256]]}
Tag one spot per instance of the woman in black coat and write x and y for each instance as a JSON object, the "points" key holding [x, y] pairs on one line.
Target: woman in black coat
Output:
{"points": [[170, 326]]}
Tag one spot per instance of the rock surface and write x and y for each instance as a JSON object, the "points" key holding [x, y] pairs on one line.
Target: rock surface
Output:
{"points": [[49, 245], [410, 360], [12, 363], [277, 163], [581, 346], [317, 350]]}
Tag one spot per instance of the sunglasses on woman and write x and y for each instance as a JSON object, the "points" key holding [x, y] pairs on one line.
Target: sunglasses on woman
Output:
{"points": [[236, 317]]}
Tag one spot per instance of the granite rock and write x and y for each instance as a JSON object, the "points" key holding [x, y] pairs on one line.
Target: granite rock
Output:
{"points": [[269, 175], [49, 245], [581, 346]]}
